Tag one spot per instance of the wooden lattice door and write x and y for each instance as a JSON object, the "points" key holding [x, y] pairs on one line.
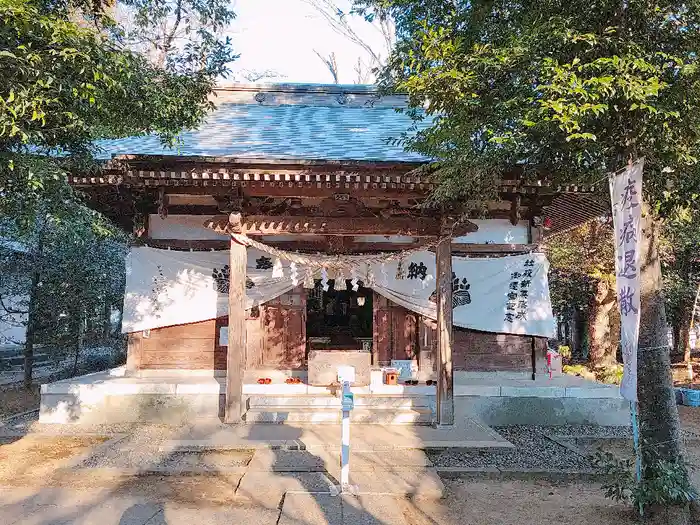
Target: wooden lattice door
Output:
{"points": [[284, 330], [395, 332]]}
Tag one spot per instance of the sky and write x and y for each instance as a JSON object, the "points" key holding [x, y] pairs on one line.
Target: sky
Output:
{"points": [[281, 35]]}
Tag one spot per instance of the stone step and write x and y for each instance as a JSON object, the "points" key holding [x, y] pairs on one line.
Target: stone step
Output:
{"points": [[328, 401], [369, 416]]}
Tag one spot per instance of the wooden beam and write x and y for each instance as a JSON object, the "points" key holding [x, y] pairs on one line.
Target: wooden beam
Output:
{"points": [[492, 248], [235, 355], [348, 247], [298, 189], [445, 386], [281, 225], [183, 244], [320, 245], [180, 163]]}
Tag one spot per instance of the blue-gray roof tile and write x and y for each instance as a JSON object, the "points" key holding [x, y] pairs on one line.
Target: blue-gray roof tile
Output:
{"points": [[304, 122]]}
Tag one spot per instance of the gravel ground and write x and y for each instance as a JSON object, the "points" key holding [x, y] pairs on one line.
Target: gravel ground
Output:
{"points": [[142, 447], [534, 450], [585, 430]]}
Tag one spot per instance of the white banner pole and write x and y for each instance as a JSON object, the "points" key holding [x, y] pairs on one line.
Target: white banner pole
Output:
{"points": [[345, 452], [626, 196]]}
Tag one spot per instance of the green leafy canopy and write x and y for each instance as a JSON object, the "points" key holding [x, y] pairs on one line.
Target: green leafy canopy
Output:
{"points": [[68, 81], [570, 89]]}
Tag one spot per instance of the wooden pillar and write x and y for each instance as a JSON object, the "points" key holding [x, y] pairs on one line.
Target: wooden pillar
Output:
{"points": [[445, 389], [236, 327]]}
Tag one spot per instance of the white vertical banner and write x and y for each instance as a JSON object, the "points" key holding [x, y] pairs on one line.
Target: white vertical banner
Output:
{"points": [[626, 195]]}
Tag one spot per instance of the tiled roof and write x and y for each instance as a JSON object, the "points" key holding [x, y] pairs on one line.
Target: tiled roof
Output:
{"points": [[289, 121]]}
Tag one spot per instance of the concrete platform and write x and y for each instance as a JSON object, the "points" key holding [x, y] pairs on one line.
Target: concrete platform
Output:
{"points": [[177, 398], [365, 438]]}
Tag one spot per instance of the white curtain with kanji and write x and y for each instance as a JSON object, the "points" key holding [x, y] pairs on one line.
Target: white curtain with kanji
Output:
{"points": [[501, 294]]}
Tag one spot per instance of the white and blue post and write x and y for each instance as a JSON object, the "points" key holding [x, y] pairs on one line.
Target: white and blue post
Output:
{"points": [[346, 376]]}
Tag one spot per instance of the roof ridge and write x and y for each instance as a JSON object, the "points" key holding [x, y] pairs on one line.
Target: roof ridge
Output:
{"points": [[299, 87]]}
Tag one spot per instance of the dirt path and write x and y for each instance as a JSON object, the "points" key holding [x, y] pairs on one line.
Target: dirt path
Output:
{"points": [[491, 502], [41, 461]]}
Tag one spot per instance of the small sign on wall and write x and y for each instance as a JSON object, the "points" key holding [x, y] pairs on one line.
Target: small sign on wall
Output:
{"points": [[407, 369], [223, 336]]}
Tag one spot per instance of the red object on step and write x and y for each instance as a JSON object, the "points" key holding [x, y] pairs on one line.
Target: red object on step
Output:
{"points": [[391, 377]]}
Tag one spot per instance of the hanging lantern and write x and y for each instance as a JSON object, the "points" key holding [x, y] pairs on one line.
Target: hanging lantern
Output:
{"points": [[277, 269]]}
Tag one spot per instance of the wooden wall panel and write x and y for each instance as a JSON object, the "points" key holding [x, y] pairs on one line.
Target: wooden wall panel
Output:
{"points": [[485, 351], [405, 334], [381, 335], [191, 346], [254, 342], [395, 332], [427, 344], [284, 330]]}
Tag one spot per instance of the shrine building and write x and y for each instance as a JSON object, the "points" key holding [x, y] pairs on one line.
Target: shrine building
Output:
{"points": [[288, 236]]}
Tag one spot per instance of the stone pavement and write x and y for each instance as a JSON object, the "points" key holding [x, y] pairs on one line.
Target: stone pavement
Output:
{"points": [[100, 507], [467, 434]]}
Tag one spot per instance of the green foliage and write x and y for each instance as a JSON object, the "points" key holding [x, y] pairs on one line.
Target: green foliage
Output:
{"points": [[680, 249], [578, 259], [180, 35], [665, 482], [67, 83], [564, 351], [79, 260], [567, 89], [609, 374]]}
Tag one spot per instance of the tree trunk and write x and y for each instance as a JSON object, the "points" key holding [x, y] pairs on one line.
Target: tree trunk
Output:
{"points": [[106, 320], [601, 350], [78, 338], [578, 337], [659, 423], [682, 340], [31, 329], [691, 325]]}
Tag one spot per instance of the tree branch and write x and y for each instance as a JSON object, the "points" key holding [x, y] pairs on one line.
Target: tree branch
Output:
{"points": [[11, 311]]}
